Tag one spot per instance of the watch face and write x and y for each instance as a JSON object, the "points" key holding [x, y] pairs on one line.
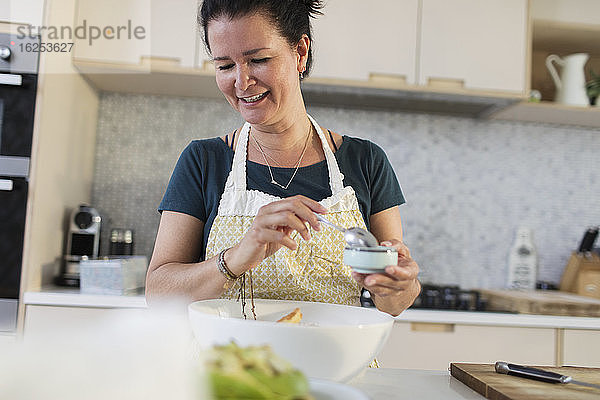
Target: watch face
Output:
{"points": [[83, 219]]}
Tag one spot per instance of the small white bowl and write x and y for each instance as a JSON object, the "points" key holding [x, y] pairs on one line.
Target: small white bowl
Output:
{"points": [[370, 260], [333, 341]]}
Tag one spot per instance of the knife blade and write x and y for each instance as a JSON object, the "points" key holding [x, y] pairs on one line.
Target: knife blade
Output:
{"points": [[538, 374]]}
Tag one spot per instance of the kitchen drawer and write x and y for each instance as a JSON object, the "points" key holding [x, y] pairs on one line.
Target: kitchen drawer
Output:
{"points": [[581, 348], [433, 346]]}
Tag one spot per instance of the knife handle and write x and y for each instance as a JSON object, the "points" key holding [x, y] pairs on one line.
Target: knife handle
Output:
{"points": [[531, 373], [587, 243]]}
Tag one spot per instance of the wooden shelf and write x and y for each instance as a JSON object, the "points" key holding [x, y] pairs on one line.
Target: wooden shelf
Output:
{"points": [[562, 39], [551, 113]]}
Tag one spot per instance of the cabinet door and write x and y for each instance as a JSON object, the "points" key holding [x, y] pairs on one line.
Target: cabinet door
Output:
{"points": [[356, 39], [581, 348], [435, 346], [140, 28], [479, 44], [22, 11]]}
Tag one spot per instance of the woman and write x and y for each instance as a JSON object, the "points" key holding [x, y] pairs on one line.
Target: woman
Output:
{"points": [[246, 202]]}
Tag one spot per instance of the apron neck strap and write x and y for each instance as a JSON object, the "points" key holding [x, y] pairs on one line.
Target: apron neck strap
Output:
{"points": [[237, 177], [335, 176]]}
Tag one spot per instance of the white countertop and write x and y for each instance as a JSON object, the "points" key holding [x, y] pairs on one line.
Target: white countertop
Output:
{"points": [[498, 319], [390, 384], [69, 297]]}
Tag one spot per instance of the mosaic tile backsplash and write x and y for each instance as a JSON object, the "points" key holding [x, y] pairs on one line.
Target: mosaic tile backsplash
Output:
{"points": [[469, 184]]}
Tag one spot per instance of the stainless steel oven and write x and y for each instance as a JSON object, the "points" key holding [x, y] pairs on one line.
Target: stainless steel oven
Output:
{"points": [[18, 88]]}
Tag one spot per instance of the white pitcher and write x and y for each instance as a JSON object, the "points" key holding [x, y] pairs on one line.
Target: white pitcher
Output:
{"points": [[570, 86]]}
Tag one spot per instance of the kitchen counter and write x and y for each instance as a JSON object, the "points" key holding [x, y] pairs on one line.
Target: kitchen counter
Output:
{"points": [[389, 384], [70, 297], [498, 319]]}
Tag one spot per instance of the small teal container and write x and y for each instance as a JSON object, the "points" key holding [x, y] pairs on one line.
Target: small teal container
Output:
{"points": [[370, 260]]}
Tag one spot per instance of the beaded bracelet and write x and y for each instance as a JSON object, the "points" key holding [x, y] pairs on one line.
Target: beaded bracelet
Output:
{"points": [[223, 267]]}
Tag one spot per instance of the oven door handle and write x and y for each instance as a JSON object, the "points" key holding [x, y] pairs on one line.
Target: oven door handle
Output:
{"points": [[6, 185], [11, 79]]}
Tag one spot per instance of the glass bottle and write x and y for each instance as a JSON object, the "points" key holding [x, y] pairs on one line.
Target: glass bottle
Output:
{"points": [[522, 261]]}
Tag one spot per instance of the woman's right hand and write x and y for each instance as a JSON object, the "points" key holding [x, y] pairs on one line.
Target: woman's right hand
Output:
{"points": [[272, 228]]}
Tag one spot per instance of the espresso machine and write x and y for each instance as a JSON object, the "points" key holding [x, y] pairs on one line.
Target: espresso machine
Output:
{"points": [[82, 242]]}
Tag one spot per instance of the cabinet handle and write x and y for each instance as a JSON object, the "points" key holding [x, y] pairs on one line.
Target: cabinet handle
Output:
{"points": [[6, 185], [431, 327], [388, 79], [445, 83], [11, 79]]}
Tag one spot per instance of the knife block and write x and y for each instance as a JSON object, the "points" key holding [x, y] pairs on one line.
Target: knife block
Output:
{"points": [[582, 275]]}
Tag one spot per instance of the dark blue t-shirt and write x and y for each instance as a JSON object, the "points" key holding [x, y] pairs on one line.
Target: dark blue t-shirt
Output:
{"points": [[198, 180]]}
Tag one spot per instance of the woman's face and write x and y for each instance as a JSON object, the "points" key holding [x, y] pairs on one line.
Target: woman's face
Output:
{"points": [[256, 68]]}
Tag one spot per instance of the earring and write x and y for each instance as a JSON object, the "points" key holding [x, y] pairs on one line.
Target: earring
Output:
{"points": [[302, 72]]}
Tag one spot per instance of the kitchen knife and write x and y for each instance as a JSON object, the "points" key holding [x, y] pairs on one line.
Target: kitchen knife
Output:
{"points": [[538, 374], [587, 243]]}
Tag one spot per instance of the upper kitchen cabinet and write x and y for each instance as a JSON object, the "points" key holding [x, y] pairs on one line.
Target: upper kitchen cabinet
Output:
{"points": [[29, 12], [475, 45], [463, 57], [126, 31], [143, 46], [358, 41]]}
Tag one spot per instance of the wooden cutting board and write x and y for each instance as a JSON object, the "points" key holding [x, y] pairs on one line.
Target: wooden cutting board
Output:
{"points": [[543, 302], [494, 386]]}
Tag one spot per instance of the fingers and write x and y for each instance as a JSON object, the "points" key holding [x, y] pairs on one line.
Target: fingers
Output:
{"points": [[399, 246], [388, 281], [275, 235], [275, 224], [292, 213], [293, 210]]}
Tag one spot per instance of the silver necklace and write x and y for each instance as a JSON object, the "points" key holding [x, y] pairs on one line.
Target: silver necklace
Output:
{"points": [[273, 181], [268, 156]]}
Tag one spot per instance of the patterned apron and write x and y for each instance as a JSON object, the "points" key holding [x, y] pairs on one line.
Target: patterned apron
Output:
{"points": [[312, 272]]}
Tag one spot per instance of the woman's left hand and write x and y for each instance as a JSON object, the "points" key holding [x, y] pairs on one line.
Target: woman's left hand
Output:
{"points": [[397, 288]]}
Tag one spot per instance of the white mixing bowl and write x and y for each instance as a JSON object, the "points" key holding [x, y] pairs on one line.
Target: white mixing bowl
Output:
{"points": [[332, 342]]}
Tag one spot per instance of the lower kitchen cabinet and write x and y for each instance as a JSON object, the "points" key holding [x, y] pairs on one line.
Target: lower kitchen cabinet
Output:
{"points": [[433, 346], [580, 347], [41, 320]]}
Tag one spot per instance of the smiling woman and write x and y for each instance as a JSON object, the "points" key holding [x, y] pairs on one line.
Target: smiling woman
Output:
{"points": [[245, 204], [257, 70]]}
